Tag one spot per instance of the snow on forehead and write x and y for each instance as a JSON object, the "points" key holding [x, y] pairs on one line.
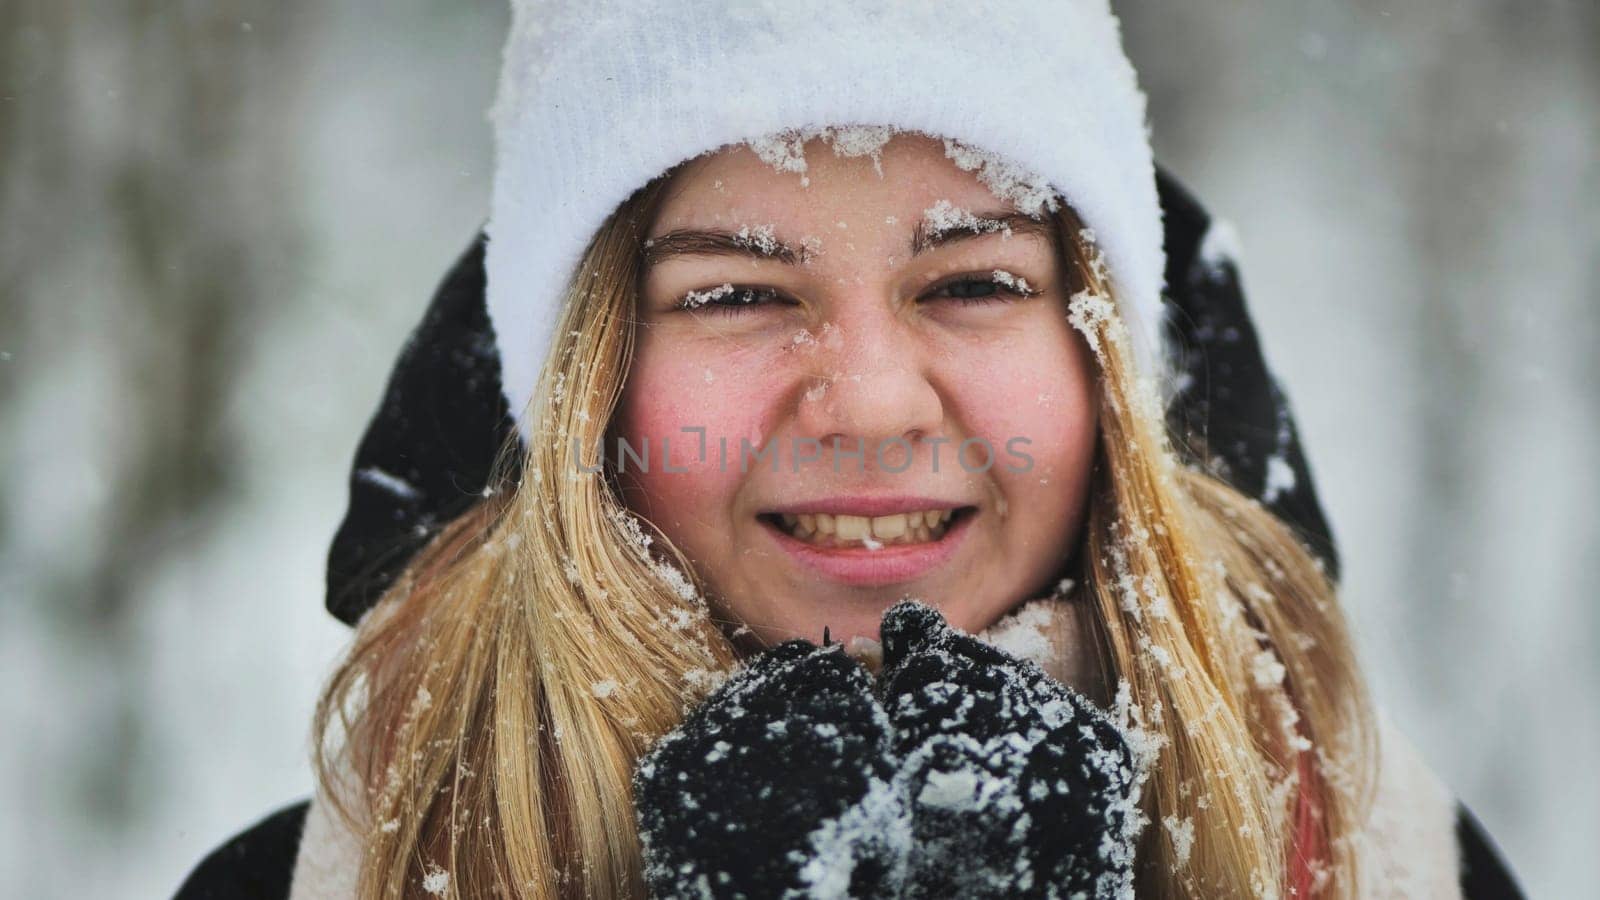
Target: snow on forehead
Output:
{"points": [[1009, 181]]}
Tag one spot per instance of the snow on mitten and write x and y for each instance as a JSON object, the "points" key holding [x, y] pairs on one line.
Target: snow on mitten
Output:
{"points": [[778, 784], [1017, 785]]}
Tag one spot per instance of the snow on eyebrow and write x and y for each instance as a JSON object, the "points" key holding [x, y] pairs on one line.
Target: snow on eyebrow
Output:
{"points": [[944, 216], [944, 222], [760, 237]]}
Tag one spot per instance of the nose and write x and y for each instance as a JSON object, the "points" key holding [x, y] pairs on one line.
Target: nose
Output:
{"points": [[871, 384]]}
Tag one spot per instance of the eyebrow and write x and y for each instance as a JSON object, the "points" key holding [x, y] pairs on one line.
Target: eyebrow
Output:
{"points": [[714, 242], [932, 235], [926, 237]]}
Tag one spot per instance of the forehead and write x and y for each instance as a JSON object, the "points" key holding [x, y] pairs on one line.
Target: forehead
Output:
{"points": [[736, 187]]}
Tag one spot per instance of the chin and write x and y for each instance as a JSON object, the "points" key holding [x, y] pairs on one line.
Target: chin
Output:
{"points": [[854, 614], [847, 620], [862, 617], [844, 619], [975, 620]]}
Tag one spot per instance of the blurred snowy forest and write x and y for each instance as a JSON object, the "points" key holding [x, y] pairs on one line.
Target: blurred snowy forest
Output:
{"points": [[219, 219]]}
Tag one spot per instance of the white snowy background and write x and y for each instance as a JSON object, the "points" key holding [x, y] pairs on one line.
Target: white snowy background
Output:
{"points": [[218, 221]]}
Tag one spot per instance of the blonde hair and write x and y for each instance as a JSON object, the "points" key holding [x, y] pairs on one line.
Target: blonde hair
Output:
{"points": [[481, 733]]}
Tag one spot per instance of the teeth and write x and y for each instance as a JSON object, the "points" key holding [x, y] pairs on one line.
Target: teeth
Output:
{"points": [[830, 530], [851, 528], [889, 526]]}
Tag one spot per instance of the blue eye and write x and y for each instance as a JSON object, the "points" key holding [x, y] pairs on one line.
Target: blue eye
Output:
{"points": [[999, 286], [727, 298]]}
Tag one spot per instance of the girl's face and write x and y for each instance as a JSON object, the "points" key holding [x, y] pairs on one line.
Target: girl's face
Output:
{"points": [[866, 387]]}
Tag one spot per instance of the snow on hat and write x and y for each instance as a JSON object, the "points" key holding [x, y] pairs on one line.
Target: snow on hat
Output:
{"points": [[598, 97]]}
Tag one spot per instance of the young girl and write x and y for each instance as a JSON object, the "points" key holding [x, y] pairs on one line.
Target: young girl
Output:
{"points": [[846, 470]]}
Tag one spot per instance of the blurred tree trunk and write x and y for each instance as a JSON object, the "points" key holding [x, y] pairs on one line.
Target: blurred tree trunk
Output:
{"points": [[134, 144]]}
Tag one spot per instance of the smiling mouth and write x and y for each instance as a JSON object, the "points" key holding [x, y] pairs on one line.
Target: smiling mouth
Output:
{"points": [[838, 530]]}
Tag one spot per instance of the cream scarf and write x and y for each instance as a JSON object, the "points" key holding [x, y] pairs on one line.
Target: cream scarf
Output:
{"points": [[1408, 850]]}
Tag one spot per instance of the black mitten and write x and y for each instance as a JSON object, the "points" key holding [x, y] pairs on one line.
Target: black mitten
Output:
{"points": [[779, 781], [1017, 785], [977, 776]]}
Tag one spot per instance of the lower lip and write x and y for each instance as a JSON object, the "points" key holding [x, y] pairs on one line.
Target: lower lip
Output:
{"points": [[890, 564]]}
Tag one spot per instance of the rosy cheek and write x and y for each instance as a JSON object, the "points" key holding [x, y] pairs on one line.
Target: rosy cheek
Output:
{"points": [[698, 413], [1035, 398]]}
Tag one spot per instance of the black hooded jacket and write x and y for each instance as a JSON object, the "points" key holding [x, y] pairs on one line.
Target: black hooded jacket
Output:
{"points": [[428, 451]]}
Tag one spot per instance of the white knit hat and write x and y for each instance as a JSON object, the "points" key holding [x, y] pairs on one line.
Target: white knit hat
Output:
{"points": [[597, 97]]}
